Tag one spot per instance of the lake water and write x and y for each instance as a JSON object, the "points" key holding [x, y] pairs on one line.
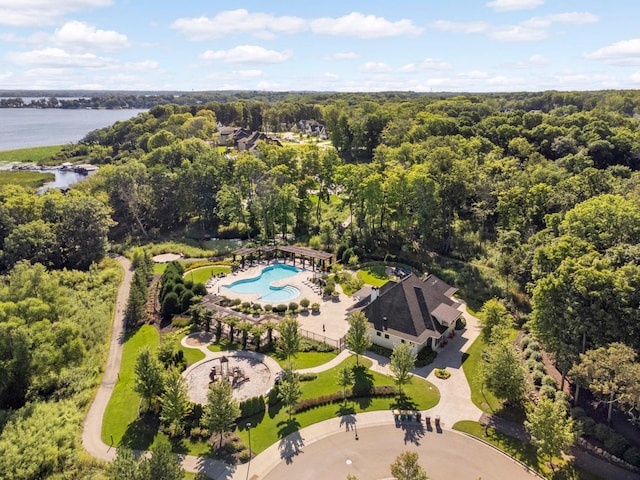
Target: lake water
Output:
{"points": [[36, 127]]}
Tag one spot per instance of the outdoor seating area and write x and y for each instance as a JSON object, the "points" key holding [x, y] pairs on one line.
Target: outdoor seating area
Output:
{"points": [[313, 286]]}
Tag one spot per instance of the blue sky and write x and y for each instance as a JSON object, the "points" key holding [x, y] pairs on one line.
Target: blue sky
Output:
{"points": [[329, 45]]}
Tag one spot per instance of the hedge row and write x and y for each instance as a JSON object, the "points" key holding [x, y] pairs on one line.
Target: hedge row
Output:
{"points": [[376, 391], [252, 406]]}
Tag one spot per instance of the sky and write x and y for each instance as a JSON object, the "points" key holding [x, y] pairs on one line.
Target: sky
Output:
{"points": [[327, 45]]}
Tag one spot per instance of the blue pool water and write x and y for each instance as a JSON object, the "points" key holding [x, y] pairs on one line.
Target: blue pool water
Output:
{"points": [[262, 284]]}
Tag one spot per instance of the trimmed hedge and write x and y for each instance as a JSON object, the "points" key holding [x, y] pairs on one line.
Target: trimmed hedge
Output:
{"points": [[337, 397], [252, 406]]}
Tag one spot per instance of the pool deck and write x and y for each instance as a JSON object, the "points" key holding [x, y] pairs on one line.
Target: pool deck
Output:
{"points": [[332, 315]]}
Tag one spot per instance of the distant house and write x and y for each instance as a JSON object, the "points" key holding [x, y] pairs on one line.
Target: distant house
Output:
{"points": [[242, 138], [312, 128], [419, 312]]}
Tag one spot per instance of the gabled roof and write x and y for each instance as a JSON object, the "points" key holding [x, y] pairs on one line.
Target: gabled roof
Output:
{"points": [[411, 309]]}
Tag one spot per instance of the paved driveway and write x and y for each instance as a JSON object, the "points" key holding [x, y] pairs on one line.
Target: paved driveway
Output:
{"points": [[444, 455]]}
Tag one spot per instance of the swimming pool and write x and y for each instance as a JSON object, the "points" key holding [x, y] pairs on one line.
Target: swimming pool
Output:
{"points": [[262, 284]]}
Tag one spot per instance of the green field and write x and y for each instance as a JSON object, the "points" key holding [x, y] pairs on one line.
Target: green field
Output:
{"points": [[201, 275], [375, 276], [25, 178], [29, 155]]}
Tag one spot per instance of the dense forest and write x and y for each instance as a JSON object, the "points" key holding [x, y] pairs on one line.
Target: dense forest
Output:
{"points": [[540, 190]]}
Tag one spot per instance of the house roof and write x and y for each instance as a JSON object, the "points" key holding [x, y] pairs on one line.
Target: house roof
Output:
{"points": [[412, 309]]}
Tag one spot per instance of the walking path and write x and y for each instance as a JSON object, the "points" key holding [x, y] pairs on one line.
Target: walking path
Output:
{"points": [[92, 427]]}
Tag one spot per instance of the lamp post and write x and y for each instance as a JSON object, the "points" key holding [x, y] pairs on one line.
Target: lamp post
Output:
{"points": [[249, 432]]}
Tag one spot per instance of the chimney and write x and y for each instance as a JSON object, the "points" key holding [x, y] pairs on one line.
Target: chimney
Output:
{"points": [[374, 293]]}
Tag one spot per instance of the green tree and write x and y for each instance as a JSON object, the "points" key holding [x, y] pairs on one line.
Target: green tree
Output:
{"points": [[603, 371], [163, 464], [289, 339], [174, 402], [221, 410], [502, 372], [358, 339], [345, 379], [148, 381], [495, 321], [15, 365], [125, 466], [402, 362], [406, 467], [289, 390], [551, 429]]}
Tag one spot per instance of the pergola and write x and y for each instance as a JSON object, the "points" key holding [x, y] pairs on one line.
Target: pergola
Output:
{"points": [[301, 253]]}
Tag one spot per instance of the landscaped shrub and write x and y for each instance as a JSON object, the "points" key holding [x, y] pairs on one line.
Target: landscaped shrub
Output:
{"points": [[537, 377], [461, 323], [442, 373], [536, 355], [534, 346], [632, 456], [564, 399], [616, 444], [252, 406], [549, 380], [524, 342], [246, 305], [376, 391], [281, 308], [235, 302], [268, 308], [425, 357], [200, 433], [304, 303], [199, 289], [293, 307], [309, 345], [527, 353], [307, 377], [315, 307], [530, 365], [244, 456], [272, 397], [578, 412], [181, 322], [586, 426], [547, 391], [539, 366], [601, 432]]}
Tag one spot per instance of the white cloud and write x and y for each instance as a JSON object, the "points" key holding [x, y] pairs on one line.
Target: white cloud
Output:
{"points": [[461, 27], [343, 56], [364, 26], [144, 66], [240, 21], [626, 52], [531, 30], [247, 73], [331, 77], [5, 76], [247, 54], [511, 5], [635, 77], [518, 33], [24, 13], [534, 61], [80, 35], [57, 57], [375, 67], [426, 64]]}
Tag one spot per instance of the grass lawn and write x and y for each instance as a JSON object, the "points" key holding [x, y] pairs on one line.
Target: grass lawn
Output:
{"points": [[25, 178], [270, 427], [201, 275], [29, 155], [305, 359], [333, 211], [472, 364], [192, 355], [122, 410], [523, 451], [375, 276]]}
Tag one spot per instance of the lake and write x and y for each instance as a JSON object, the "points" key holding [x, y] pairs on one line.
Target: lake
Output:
{"points": [[37, 127]]}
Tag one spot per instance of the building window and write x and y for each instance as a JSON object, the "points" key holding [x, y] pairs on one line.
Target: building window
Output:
{"points": [[386, 335], [378, 334], [402, 341]]}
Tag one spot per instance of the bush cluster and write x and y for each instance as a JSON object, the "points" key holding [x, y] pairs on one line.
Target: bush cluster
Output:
{"points": [[176, 294], [307, 377], [376, 391], [309, 345], [252, 406]]}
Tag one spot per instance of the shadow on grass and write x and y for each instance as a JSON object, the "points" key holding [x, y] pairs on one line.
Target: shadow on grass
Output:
{"points": [[402, 402], [363, 382], [291, 441], [274, 409], [141, 432]]}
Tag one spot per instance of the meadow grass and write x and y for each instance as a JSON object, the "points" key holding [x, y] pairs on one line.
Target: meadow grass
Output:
{"points": [[305, 359], [25, 178], [30, 155]]}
